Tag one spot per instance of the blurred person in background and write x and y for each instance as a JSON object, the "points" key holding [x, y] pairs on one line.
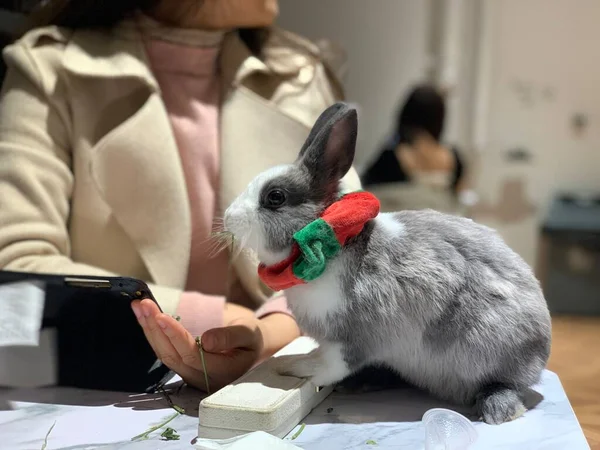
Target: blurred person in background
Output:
{"points": [[414, 170], [126, 129]]}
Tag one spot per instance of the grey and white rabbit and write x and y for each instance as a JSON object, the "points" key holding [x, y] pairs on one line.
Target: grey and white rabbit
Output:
{"points": [[439, 299]]}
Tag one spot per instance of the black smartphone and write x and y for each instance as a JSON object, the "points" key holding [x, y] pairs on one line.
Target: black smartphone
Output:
{"points": [[99, 343]]}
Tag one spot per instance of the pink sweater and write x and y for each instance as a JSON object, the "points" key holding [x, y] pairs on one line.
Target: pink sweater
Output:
{"points": [[184, 63]]}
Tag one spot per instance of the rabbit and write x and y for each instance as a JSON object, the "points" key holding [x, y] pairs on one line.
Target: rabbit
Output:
{"points": [[439, 299]]}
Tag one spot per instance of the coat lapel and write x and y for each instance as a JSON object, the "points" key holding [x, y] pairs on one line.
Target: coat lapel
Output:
{"points": [[111, 54], [137, 170], [136, 167]]}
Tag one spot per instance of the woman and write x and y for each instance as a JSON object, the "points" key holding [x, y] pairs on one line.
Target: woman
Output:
{"points": [[126, 130], [415, 170]]}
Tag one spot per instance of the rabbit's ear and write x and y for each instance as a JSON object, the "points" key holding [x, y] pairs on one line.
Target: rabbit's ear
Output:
{"points": [[328, 152], [320, 125]]}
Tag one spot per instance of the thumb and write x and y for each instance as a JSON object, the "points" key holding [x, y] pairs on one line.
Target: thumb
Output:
{"points": [[241, 335]]}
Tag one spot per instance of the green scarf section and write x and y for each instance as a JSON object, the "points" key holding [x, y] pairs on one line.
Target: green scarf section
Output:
{"points": [[318, 244]]}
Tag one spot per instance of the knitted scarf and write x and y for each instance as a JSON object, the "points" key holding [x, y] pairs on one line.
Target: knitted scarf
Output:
{"points": [[321, 240]]}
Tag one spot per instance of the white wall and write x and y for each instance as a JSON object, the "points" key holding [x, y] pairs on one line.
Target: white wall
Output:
{"points": [[387, 46], [456, 68], [545, 69]]}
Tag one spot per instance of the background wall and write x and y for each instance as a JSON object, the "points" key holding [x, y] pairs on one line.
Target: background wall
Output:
{"points": [[545, 71], [388, 49]]}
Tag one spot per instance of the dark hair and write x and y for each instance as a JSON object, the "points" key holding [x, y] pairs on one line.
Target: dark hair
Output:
{"points": [[423, 110], [82, 14]]}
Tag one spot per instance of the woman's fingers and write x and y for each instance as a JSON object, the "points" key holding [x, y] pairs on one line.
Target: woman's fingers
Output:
{"points": [[242, 335], [137, 310], [152, 322], [141, 314], [229, 351], [181, 340], [148, 307], [159, 341]]}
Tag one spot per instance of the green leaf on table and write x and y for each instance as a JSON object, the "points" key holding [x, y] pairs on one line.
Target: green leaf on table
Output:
{"points": [[45, 444], [297, 433], [170, 435], [371, 442], [143, 436]]}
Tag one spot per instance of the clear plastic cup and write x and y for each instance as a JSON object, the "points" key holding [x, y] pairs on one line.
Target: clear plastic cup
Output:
{"points": [[448, 430]]}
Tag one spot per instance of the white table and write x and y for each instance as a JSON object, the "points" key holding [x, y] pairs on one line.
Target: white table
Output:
{"points": [[89, 420]]}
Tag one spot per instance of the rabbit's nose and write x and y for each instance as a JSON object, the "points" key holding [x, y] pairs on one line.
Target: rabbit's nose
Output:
{"points": [[233, 218]]}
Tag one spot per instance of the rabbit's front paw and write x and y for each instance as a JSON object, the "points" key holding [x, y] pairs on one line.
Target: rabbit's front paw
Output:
{"points": [[325, 376], [323, 367], [300, 366]]}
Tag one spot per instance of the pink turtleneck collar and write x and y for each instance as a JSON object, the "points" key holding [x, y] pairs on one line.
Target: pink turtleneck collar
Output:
{"points": [[184, 63]]}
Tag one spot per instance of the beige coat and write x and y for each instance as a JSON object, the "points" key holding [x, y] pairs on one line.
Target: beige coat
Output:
{"points": [[90, 177]]}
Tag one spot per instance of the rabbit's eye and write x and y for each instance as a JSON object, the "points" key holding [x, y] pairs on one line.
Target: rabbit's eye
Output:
{"points": [[275, 198]]}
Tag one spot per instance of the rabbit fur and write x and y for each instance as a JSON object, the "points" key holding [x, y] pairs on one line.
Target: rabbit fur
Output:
{"points": [[439, 299]]}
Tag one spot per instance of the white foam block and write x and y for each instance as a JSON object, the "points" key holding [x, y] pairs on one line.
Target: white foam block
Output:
{"points": [[261, 400]]}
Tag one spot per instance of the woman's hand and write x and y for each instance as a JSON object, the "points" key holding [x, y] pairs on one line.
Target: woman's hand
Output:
{"points": [[229, 352]]}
